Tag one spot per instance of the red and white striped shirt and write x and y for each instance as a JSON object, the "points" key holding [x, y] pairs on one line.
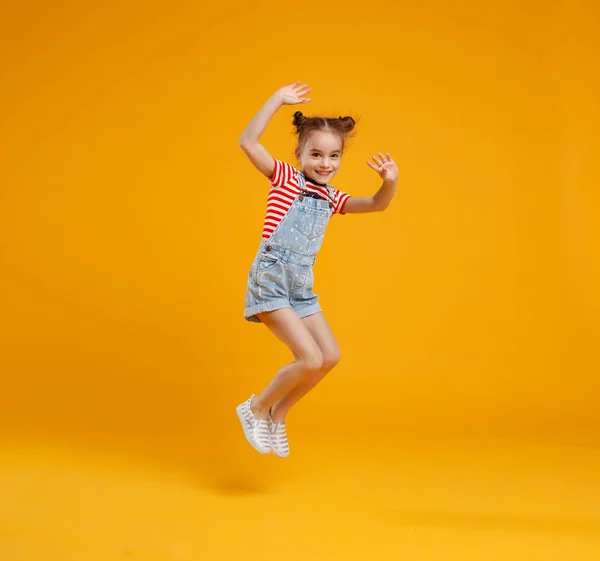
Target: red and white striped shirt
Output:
{"points": [[285, 188]]}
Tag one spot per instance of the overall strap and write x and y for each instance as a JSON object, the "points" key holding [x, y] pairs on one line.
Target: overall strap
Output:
{"points": [[301, 181], [331, 193]]}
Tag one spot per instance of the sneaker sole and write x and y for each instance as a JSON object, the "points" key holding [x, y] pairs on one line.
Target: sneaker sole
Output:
{"points": [[249, 438], [279, 455], [275, 453]]}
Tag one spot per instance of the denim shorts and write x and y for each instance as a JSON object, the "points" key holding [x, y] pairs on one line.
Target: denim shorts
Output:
{"points": [[280, 278]]}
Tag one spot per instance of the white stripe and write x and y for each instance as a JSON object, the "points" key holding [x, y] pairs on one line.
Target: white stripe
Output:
{"points": [[276, 173]]}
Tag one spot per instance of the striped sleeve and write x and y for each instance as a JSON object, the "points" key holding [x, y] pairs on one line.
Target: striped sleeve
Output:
{"points": [[282, 174], [339, 201]]}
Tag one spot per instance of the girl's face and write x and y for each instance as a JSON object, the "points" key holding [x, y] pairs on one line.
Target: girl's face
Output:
{"points": [[320, 156]]}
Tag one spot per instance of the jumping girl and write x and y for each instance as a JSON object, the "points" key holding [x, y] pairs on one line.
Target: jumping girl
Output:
{"points": [[280, 282]]}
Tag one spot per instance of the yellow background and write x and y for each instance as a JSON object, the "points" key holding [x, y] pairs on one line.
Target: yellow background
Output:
{"points": [[129, 218]]}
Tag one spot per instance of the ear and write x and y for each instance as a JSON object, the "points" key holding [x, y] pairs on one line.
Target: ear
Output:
{"points": [[297, 154]]}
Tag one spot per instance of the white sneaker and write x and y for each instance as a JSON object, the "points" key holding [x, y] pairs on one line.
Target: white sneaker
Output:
{"points": [[278, 439], [256, 430]]}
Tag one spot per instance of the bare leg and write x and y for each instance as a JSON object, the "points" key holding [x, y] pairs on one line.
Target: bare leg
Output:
{"points": [[291, 330], [318, 327]]}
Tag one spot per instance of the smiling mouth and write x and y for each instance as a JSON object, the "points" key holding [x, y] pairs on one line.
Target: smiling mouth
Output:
{"points": [[323, 172]]}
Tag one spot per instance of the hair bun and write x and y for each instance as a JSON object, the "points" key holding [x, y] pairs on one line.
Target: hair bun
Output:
{"points": [[299, 118], [347, 123]]}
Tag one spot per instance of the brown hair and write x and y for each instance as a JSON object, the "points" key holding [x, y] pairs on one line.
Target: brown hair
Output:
{"points": [[342, 126]]}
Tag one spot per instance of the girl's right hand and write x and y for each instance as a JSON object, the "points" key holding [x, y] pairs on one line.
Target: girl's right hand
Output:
{"points": [[293, 94]]}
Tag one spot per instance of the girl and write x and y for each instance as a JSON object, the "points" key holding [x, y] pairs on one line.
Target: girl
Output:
{"points": [[279, 291]]}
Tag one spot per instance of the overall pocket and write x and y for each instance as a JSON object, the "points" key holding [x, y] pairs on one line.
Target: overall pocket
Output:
{"points": [[263, 264], [311, 222]]}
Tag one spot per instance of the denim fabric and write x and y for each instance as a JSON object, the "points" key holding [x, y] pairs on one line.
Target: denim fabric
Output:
{"points": [[281, 275]]}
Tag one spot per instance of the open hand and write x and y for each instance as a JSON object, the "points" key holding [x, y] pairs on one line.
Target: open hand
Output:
{"points": [[385, 167], [293, 94]]}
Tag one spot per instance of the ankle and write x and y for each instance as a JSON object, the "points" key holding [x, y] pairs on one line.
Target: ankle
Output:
{"points": [[277, 415], [258, 411]]}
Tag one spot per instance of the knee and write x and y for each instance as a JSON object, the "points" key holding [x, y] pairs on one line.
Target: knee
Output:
{"points": [[330, 360], [313, 361]]}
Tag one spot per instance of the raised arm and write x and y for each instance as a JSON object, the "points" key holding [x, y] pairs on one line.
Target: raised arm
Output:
{"points": [[250, 139], [388, 171]]}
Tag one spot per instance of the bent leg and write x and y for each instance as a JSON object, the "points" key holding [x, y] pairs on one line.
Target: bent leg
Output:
{"points": [[321, 333], [293, 332]]}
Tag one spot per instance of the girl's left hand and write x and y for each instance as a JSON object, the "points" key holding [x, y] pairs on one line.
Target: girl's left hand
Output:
{"points": [[385, 167]]}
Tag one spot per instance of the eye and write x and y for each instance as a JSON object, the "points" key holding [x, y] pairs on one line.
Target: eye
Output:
{"points": [[315, 154], [335, 155]]}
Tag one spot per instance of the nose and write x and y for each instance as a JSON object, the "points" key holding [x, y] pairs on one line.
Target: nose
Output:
{"points": [[325, 163]]}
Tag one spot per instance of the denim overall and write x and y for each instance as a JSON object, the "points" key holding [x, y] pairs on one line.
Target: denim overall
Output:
{"points": [[281, 275]]}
